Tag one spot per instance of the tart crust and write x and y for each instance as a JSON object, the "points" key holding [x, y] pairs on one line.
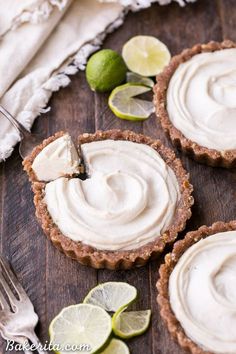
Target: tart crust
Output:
{"points": [[88, 255], [199, 153], [165, 271]]}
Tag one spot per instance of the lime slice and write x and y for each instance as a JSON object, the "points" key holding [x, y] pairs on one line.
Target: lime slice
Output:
{"points": [[125, 106], [131, 323], [116, 346], [105, 70], [138, 79], [145, 55], [80, 325], [112, 296]]}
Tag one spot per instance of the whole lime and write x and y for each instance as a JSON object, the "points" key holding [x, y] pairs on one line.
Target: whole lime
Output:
{"points": [[105, 70]]}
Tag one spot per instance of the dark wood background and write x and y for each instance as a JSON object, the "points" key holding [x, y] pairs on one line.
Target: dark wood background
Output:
{"points": [[54, 281]]}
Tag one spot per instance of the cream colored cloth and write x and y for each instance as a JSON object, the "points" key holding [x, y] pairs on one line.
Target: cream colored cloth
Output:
{"points": [[42, 42]]}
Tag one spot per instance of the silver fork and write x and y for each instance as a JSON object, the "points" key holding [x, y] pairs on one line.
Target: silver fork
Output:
{"points": [[28, 140], [17, 316]]}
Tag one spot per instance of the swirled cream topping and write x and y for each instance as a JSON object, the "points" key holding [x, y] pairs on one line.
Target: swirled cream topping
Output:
{"points": [[201, 99], [202, 290], [128, 200], [57, 159]]}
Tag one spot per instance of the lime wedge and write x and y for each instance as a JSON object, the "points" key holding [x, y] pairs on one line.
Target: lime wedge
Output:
{"points": [[111, 296], [131, 323], [138, 79], [116, 346], [145, 55], [125, 106], [84, 327]]}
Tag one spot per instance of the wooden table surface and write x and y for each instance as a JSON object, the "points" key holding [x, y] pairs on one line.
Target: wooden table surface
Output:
{"points": [[52, 280]]}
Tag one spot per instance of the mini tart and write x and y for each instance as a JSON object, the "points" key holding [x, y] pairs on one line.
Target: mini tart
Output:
{"points": [[171, 260], [212, 157], [95, 258]]}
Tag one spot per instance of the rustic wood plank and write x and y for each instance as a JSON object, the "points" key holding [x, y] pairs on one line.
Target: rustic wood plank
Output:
{"points": [[227, 13], [20, 241]]}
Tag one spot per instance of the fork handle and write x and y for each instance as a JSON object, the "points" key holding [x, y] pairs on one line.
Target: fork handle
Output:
{"points": [[23, 341], [22, 130], [36, 342]]}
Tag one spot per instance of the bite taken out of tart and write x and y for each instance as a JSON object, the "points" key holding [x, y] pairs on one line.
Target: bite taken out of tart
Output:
{"points": [[195, 102], [135, 198], [197, 292]]}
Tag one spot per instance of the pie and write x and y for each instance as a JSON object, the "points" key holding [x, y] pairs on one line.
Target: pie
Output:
{"points": [[134, 198], [195, 102], [197, 292]]}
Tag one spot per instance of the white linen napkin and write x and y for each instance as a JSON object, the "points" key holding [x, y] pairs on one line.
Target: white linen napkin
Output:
{"points": [[42, 42]]}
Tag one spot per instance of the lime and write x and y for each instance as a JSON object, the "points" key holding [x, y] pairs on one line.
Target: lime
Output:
{"points": [[80, 325], [125, 106], [105, 70], [131, 323], [138, 79], [112, 296], [116, 346], [145, 55]]}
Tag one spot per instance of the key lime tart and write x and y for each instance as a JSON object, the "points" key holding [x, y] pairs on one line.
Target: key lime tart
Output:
{"points": [[134, 200], [197, 290], [195, 102]]}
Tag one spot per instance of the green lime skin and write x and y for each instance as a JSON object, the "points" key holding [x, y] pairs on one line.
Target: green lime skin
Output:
{"points": [[105, 70]]}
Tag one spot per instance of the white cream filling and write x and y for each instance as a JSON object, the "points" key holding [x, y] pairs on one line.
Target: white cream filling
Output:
{"points": [[201, 99], [129, 199], [202, 290], [56, 159]]}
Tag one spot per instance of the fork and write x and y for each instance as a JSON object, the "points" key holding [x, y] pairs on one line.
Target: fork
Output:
{"points": [[17, 316], [28, 140]]}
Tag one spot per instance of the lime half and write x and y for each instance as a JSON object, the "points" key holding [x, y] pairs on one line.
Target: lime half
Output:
{"points": [[145, 55], [80, 329], [138, 79], [131, 323], [111, 296], [116, 346], [124, 105]]}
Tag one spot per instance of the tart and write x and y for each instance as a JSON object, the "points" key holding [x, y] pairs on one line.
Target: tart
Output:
{"points": [[135, 198], [195, 102], [197, 293]]}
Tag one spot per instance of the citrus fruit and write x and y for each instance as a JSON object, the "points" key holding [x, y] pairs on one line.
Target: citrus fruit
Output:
{"points": [[125, 105], [131, 323], [79, 325], [145, 55], [112, 296], [138, 79], [105, 70], [116, 346]]}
